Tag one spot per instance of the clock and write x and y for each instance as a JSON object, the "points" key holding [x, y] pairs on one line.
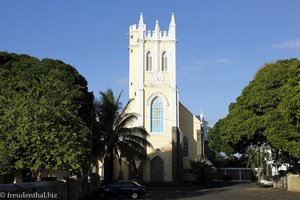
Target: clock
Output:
{"points": [[157, 77]]}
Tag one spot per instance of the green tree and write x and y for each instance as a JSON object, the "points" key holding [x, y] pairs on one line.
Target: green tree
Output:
{"points": [[267, 112], [117, 138], [45, 115]]}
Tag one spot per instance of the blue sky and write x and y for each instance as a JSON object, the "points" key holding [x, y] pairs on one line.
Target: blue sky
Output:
{"points": [[221, 43]]}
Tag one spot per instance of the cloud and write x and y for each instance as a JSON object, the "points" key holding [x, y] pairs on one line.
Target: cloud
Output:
{"points": [[217, 61], [201, 64], [291, 44], [121, 81]]}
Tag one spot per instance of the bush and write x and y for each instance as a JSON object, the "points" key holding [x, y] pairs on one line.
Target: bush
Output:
{"points": [[203, 169]]}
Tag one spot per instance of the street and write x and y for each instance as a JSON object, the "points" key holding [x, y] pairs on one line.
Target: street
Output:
{"points": [[243, 191]]}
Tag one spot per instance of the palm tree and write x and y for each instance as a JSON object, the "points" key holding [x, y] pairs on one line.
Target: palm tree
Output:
{"points": [[257, 158], [116, 137]]}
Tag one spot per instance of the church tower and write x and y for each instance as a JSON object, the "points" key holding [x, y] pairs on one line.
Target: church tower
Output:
{"points": [[152, 85]]}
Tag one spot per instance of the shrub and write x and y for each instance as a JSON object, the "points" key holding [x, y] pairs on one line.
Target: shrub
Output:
{"points": [[203, 169]]}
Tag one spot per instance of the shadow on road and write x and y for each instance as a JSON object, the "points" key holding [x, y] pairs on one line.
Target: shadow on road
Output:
{"points": [[187, 191], [178, 192]]}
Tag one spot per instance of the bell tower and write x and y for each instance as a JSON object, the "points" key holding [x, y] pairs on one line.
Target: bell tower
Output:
{"points": [[152, 84]]}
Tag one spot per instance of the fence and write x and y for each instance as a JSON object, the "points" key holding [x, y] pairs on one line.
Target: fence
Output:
{"points": [[234, 175], [71, 189]]}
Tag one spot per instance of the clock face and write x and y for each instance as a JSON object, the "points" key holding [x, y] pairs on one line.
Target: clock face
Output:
{"points": [[157, 77]]}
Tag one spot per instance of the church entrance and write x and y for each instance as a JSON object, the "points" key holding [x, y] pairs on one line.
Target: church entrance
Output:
{"points": [[157, 169]]}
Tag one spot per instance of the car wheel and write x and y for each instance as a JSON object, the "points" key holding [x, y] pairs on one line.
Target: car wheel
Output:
{"points": [[134, 195]]}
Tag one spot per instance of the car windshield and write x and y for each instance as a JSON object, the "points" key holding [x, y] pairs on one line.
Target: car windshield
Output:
{"points": [[136, 183], [124, 183]]}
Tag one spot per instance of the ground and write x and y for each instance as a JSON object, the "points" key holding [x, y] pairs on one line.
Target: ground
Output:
{"points": [[239, 191], [244, 191]]}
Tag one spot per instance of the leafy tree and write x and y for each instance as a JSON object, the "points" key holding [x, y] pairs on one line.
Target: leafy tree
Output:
{"points": [[45, 115], [117, 138], [267, 112]]}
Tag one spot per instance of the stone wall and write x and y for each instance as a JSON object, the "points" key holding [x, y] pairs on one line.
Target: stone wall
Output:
{"points": [[280, 182], [289, 182], [293, 182]]}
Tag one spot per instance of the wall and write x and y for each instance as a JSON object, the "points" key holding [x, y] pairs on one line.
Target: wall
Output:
{"points": [[280, 182], [289, 182], [189, 126], [293, 182]]}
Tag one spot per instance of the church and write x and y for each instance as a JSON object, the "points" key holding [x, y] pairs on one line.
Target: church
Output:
{"points": [[175, 133]]}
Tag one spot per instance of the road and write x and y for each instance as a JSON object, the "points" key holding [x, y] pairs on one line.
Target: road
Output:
{"points": [[244, 191]]}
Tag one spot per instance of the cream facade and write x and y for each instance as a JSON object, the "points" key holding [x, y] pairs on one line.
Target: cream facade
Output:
{"points": [[175, 133]]}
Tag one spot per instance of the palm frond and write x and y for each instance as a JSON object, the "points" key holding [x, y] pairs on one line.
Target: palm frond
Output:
{"points": [[135, 146], [125, 120], [134, 150], [135, 138], [138, 131], [116, 136]]}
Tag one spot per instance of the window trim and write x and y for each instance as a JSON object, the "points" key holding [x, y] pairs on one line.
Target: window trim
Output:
{"points": [[165, 105]]}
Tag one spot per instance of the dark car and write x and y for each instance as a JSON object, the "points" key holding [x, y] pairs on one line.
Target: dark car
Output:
{"points": [[124, 188]]}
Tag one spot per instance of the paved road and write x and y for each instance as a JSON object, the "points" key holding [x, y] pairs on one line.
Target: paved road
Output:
{"points": [[245, 191]]}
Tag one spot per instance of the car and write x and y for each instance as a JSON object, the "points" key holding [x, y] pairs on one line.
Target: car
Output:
{"points": [[124, 188]]}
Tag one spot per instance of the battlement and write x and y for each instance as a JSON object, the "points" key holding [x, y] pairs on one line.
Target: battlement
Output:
{"points": [[132, 28], [156, 34], [162, 35]]}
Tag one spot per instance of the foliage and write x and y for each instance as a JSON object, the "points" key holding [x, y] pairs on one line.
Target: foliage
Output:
{"points": [[203, 169], [219, 160], [45, 115], [257, 157], [267, 112], [116, 135]]}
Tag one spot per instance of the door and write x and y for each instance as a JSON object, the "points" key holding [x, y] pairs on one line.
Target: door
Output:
{"points": [[157, 169]]}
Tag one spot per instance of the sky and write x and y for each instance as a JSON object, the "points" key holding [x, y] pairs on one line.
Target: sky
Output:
{"points": [[221, 44]]}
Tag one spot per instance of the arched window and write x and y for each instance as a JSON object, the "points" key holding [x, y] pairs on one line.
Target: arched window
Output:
{"points": [[148, 61], [185, 147], [157, 115], [164, 63]]}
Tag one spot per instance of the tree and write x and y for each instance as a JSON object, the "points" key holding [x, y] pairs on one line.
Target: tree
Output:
{"points": [[45, 115], [117, 138], [267, 112], [202, 168], [257, 158]]}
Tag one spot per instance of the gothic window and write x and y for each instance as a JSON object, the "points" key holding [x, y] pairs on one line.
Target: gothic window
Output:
{"points": [[148, 61], [164, 64], [157, 116], [185, 147]]}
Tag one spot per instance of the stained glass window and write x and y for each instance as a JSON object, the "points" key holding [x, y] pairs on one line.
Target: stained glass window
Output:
{"points": [[157, 116]]}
